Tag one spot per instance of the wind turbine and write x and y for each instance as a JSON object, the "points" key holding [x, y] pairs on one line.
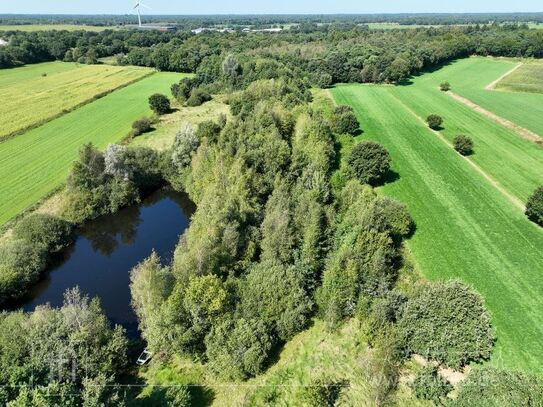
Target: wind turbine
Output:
{"points": [[137, 7]]}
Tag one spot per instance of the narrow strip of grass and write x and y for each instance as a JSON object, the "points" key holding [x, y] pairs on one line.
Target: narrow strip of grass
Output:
{"points": [[466, 228]]}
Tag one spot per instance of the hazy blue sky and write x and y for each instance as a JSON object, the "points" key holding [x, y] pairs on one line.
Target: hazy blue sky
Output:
{"points": [[266, 6]]}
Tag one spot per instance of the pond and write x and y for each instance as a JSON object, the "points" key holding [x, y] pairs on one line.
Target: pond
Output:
{"points": [[105, 251]]}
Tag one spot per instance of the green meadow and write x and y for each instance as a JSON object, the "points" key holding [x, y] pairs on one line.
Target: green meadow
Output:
{"points": [[36, 162], [466, 227]]}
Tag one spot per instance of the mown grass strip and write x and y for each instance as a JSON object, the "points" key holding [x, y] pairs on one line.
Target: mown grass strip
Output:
{"points": [[33, 164], [466, 228]]}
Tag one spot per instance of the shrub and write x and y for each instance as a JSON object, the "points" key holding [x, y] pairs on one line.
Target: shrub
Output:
{"points": [[185, 144], [323, 392], [447, 322], [445, 86], [208, 129], [434, 121], [238, 349], [198, 96], [429, 385], [395, 215], [492, 387], [344, 121], [534, 206], [141, 126], [47, 231], [463, 144], [159, 104], [369, 162], [323, 80], [20, 266]]}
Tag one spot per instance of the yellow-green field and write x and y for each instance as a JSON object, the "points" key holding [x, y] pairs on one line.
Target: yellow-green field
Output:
{"points": [[527, 78], [49, 27], [35, 94]]}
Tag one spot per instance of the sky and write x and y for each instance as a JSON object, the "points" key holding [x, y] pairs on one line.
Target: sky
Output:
{"points": [[268, 7]]}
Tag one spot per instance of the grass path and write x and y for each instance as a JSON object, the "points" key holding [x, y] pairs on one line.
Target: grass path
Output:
{"points": [[466, 228], [492, 85], [35, 163]]}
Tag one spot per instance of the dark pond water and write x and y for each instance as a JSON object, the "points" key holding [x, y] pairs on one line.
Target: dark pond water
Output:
{"points": [[105, 251]]}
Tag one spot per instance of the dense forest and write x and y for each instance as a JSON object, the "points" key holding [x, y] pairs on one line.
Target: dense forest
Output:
{"points": [[288, 228]]}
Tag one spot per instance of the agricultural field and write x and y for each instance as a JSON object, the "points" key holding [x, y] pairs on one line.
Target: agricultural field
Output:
{"points": [[527, 78], [35, 94], [50, 27], [469, 223], [35, 163], [470, 78]]}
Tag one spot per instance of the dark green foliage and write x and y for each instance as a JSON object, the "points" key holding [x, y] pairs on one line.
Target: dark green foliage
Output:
{"points": [[198, 96], [323, 392], [429, 385], [445, 86], [20, 266], [434, 121], [369, 162], [463, 144], [492, 387], [238, 349], [208, 129], [323, 80], [395, 216], [447, 322], [159, 104], [534, 206], [44, 230], [275, 294], [344, 121], [384, 311], [141, 126]]}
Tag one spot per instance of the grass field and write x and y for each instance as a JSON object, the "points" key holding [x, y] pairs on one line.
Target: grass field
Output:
{"points": [[35, 94], [469, 78], [35, 163], [466, 227], [342, 355], [49, 27], [527, 78]]}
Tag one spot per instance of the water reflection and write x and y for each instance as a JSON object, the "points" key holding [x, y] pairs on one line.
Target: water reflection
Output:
{"points": [[105, 251]]}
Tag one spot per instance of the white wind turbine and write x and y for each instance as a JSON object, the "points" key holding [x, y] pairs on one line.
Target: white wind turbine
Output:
{"points": [[137, 7]]}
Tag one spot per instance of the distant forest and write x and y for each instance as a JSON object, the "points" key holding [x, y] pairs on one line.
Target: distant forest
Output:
{"points": [[188, 21]]}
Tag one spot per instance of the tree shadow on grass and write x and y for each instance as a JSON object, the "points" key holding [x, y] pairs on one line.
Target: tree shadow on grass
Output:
{"points": [[390, 177]]}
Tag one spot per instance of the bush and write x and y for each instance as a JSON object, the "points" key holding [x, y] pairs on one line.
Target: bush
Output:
{"points": [[434, 121], [20, 266], [323, 392], [534, 206], [445, 86], [141, 126], [238, 349], [47, 231], [463, 144], [369, 162], [395, 215], [447, 322], [323, 80], [198, 96], [208, 129], [429, 385], [159, 104], [492, 387], [344, 121]]}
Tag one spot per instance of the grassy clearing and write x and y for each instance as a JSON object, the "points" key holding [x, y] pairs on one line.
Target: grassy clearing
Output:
{"points": [[163, 136], [343, 355], [466, 228], [50, 27], [35, 94], [527, 78], [469, 78], [37, 162]]}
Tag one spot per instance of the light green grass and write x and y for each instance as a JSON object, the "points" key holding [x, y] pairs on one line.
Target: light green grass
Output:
{"points": [[35, 94], [49, 27], [466, 228], [527, 78], [340, 355], [469, 77], [35, 163]]}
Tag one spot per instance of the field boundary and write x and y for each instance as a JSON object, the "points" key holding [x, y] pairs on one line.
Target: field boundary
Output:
{"points": [[71, 109], [513, 199], [492, 85], [520, 131]]}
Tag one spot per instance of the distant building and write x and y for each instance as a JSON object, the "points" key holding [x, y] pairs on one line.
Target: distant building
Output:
{"points": [[163, 28]]}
